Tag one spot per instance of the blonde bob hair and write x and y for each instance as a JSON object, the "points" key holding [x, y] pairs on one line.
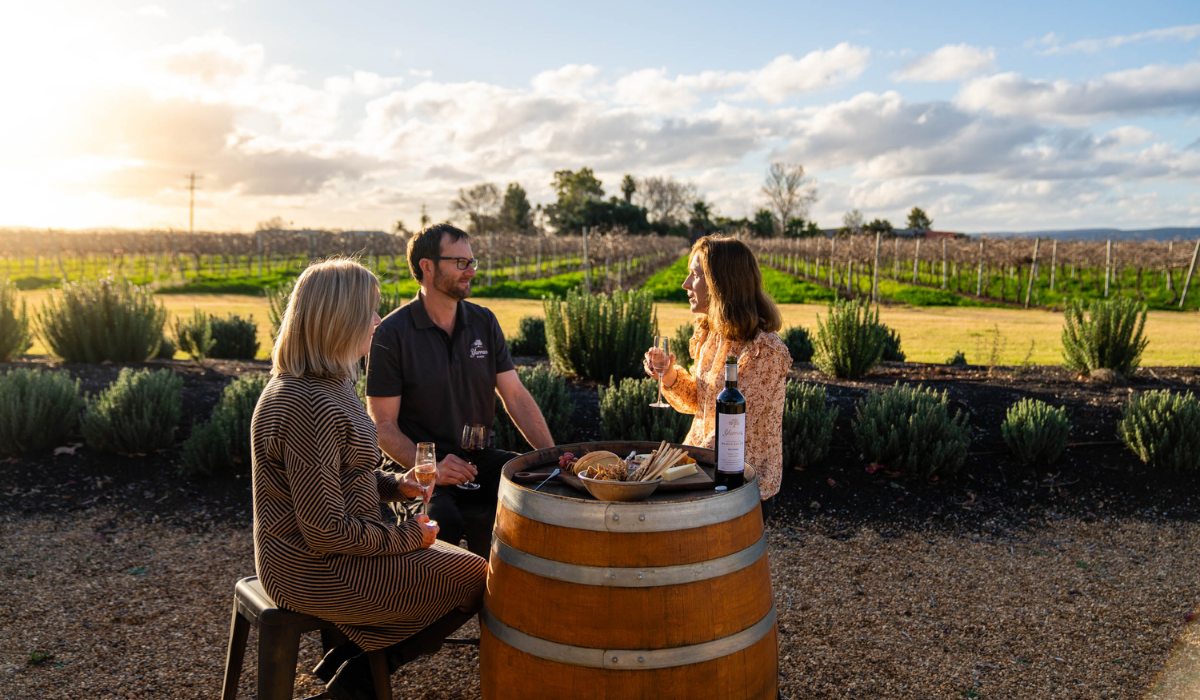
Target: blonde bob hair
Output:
{"points": [[738, 305], [328, 314]]}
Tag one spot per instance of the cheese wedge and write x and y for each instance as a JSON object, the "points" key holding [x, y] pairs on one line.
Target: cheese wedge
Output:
{"points": [[679, 472]]}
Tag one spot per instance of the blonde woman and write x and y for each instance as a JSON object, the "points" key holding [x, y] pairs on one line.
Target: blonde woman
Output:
{"points": [[320, 545], [734, 316]]}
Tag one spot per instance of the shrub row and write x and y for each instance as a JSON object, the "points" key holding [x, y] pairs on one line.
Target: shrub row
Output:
{"points": [[903, 428], [549, 391], [136, 414], [202, 336], [851, 341], [530, 338], [602, 336], [112, 320], [222, 443]]}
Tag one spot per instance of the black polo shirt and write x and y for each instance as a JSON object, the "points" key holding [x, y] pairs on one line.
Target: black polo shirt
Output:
{"points": [[444, 381]]}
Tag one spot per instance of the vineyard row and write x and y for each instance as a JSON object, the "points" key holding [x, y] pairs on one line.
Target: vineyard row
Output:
{"points": [[1027, 272]]}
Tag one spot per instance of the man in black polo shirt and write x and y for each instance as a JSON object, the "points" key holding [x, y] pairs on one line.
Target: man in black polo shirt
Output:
{"points": [[436, 365]]}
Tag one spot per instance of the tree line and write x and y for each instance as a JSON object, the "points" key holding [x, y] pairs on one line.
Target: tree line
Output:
{"points": [[647, 205]]}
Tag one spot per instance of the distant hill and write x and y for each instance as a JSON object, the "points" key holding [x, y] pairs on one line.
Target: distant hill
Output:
{"points": [[1100, 234]]}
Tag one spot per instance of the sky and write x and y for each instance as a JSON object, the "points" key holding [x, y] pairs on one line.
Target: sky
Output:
{"points": [[991, 117]]}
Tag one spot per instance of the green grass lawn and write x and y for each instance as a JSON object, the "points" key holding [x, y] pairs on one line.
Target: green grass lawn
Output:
{"points": [[666, 285]]}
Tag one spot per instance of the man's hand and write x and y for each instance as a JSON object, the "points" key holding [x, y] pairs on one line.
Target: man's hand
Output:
{"points": [[429, 531], [455, 470]]}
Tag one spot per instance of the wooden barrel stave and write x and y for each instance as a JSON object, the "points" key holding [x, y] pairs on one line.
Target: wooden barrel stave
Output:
{"points": [[591, 548], [750, 673], [643, 618]]}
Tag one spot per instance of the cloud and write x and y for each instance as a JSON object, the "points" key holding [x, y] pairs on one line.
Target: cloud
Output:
{"points": [[361, 82], [211, 58], [787, 76], [651, 88], [1053, 46], [951, 62], [269, 139], [150, 11], [158, 139], [1138, 91], [783, 77], [216, 69], [886, 137], [571, 79]]}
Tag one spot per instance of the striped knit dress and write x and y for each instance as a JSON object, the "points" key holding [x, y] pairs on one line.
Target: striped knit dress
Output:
{"points": [[320, 545]]}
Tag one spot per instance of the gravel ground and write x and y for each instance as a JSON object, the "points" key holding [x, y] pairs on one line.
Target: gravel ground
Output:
{"points": [[118, 605]]}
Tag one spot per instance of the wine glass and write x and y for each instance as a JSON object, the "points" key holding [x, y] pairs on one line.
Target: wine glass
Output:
{"points": [[426, 471], [660, 356], [474, 439]]}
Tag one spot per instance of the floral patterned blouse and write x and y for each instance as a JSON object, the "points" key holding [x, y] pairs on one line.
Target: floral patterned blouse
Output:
{"points": [[763, 364]]}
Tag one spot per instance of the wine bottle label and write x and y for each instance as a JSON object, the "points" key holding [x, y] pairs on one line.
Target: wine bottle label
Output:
{"points": [[731, 442]]}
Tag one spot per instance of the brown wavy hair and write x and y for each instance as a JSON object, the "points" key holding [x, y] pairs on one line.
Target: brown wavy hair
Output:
{"points": [[739, 308]]}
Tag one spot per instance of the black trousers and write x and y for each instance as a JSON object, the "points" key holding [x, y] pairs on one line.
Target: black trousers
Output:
{"points": [[768, 507], [462, 514]]}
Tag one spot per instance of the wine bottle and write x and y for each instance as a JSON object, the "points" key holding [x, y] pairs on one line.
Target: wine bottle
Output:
{"points": [[731, 431]]}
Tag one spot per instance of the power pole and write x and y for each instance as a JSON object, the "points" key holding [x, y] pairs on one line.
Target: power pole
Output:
{"points": [[191, 202]]}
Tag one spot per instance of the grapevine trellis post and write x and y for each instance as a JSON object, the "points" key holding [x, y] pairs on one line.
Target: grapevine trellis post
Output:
{"points": [[1167, 267], [1107, 267], [916, 257], [832, 249], [875, 269], [979, 273], [1032, 272], [943, 263], [587, 266], [1053, 262], [1187, 282], [489, 259]]}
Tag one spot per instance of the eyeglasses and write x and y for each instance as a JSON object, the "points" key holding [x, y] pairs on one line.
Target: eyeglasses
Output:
{"points": [[461, 263]]}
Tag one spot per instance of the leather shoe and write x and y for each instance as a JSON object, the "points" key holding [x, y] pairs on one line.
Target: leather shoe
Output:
{"points": [[334, 660]]}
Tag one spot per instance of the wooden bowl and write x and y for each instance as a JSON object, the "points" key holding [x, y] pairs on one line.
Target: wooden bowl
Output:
{"points": [[620, 490]]}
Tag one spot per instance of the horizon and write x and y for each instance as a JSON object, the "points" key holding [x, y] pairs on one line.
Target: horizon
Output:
{"points": [[1040, 119]]}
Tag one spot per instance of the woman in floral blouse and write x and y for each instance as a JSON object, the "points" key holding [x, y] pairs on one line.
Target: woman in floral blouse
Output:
{"points": [[734, 316]]}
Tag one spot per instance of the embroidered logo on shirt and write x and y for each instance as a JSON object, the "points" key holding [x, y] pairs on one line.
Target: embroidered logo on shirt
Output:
{"points": [[477, 349]]}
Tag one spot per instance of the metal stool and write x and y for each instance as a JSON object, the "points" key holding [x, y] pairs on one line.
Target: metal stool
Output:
{"points": [[279, 631]]}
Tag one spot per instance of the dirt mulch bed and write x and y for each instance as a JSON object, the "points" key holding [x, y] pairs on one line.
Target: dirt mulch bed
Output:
{"points": [[1001, 581]]}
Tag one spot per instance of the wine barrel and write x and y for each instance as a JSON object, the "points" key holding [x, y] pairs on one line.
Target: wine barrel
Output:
{"points": [[665, 598]]}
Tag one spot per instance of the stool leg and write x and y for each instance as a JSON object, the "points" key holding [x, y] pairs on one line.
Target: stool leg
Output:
{"points": [[330, 638], [239, 628], [379, 674], [278, 649]]}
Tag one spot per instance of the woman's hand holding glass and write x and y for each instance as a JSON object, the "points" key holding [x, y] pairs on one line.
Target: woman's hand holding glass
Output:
{"points": [[658, 362], [429, 530], [425, 470]]}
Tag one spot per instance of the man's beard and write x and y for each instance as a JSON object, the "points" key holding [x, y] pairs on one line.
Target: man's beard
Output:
{"points": [[448, 285]]}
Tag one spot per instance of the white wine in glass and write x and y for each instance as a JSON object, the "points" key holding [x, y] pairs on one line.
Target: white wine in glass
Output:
{"points": [[426, 471], [660, 357]]}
